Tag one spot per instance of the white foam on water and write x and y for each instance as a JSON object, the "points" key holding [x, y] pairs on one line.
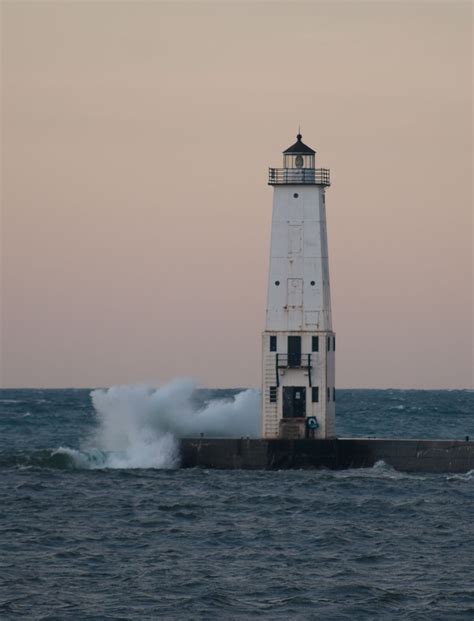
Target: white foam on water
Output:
{"points": [[81, 459], [380, 470], [140, 426], [466, 476], [160, 454]]}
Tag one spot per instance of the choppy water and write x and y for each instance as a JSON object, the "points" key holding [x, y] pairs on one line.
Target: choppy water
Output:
{"points": [[92, 526]]}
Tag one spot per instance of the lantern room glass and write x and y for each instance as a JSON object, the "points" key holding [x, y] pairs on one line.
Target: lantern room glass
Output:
{"points": [[298, 160]]}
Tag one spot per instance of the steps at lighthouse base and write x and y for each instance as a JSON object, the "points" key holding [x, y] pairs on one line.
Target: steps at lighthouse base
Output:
{"points": [[342, 453]]}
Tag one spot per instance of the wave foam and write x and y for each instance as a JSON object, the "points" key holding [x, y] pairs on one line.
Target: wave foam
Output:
{"points": [[161, 453], [466, 476]]}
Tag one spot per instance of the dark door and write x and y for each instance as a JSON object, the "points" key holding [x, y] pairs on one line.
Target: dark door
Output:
{"points": [[294, 351], [294, 401]]}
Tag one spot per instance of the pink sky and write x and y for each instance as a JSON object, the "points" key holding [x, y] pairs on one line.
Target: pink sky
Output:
{"points": [[135, 211]]}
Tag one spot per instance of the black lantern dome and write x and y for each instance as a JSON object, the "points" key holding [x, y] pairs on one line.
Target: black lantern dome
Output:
{"points": [[299, 155]]}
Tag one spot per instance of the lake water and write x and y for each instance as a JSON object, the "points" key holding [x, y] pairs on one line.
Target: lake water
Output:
{"points": [[97, 521]]}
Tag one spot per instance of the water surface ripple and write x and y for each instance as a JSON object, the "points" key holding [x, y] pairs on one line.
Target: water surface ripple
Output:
{"points": [[79, 543]]}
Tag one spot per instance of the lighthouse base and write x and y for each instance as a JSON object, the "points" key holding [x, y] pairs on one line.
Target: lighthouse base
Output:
{"points": [[293, 428], [450, 456]]}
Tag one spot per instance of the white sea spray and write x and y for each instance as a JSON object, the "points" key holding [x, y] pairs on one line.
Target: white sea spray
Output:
{"points": [[139, 426]]}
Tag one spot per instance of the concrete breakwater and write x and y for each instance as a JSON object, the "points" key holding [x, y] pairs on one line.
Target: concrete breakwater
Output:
{"points": [[436, 456]]}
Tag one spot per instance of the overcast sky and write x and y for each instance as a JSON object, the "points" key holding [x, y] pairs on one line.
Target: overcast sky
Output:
{"points": [[136, 214]]}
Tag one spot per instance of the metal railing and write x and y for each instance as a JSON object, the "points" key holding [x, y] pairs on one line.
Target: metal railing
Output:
{"points": [[298, 176], [293, 361]]}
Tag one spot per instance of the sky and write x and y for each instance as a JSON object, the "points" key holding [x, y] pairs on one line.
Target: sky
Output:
{"points": [[135, 207]]}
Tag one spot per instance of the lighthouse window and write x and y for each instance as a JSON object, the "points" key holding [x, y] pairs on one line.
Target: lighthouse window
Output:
{"points": [[277, 283], [329, 394], [315, 343], [334, 343], [329, 343], [294, 351], [315, 394], [295, 195], [273, 343], [312, 283], [333, 394], [273, 394]]}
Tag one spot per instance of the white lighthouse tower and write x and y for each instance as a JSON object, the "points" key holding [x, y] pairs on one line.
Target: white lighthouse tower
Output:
{"points": [[298, 397]]}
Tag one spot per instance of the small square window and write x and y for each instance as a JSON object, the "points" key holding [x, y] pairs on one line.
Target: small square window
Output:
{"points": [[273, 343], [315, 343], [273, 394], [315, 394], [333, 394]]}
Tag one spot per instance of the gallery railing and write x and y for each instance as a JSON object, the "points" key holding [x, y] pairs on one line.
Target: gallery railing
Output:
{"points": [[298, 176]]}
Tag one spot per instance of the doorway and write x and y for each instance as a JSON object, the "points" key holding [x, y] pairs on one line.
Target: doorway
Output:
{"points": [[294, 401]]}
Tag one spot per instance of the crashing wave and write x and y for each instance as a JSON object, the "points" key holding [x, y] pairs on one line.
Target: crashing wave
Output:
{"points": [[140, 427]]}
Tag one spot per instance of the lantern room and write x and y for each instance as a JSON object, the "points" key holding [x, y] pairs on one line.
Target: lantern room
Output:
{"points": [[298, 155], [298, 167]]}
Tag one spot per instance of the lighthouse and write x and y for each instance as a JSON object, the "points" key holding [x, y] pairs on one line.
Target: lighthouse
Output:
{"points": [[298, 392]]}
